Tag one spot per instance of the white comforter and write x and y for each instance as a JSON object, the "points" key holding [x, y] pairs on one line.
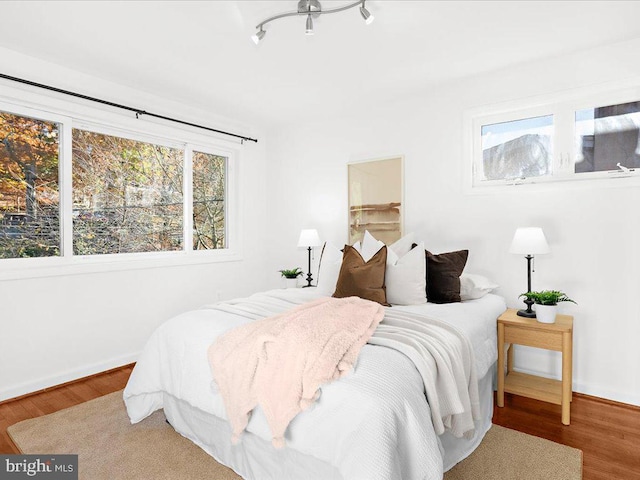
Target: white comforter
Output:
{"points": [[373, 424]]}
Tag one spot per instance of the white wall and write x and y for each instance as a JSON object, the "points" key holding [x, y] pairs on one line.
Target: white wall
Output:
{"points": [[59, 328], [593, 231]]}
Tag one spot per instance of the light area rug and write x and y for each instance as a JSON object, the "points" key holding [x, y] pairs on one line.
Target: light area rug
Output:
{"points": [[109, 448]]}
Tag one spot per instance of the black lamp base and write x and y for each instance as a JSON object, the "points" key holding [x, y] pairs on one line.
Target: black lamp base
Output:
{"points": [[309, 277], [309, 280], [527, 313]]}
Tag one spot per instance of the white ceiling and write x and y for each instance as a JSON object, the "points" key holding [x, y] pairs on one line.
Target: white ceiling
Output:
{"points": [[200, 53]]}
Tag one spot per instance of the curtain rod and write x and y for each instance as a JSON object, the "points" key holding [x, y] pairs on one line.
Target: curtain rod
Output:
{"points": [[137, 111]]}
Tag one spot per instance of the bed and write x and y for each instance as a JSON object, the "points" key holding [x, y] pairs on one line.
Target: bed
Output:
{"points": [[375, 423]]}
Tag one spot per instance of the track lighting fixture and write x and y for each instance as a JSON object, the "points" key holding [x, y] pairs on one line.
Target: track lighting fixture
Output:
{"points": [[312, 9]]}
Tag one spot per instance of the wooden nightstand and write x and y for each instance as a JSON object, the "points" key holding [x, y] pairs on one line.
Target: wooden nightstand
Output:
{"points": [[557, 336]]}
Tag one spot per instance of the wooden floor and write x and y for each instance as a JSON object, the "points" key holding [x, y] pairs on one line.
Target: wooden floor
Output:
{"points": [[57, 398], [607, 433]]}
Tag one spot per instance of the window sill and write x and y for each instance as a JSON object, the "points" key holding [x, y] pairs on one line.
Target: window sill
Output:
{"points": [[591, 182], [81, 265]]}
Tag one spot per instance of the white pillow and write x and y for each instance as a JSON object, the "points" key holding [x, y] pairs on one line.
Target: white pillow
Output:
{"points": [[405, 275], [370, 246], [475, 286], [329, 269], [406, 280], [403, 246]]}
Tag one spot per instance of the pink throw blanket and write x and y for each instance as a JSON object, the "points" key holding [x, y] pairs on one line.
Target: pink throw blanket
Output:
{"points": [[280, 362]]}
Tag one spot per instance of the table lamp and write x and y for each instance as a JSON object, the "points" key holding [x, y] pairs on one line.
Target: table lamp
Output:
{"points": [[529, 241], [309, 238]]}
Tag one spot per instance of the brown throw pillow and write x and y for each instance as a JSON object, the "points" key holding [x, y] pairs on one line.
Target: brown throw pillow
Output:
{"points": [[362, 279], [443, 275]]}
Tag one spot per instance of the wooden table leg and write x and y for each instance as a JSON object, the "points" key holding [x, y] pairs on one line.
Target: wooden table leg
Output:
{"points": [[567, 366], [500, 396], [510, 358], [571, 367]]}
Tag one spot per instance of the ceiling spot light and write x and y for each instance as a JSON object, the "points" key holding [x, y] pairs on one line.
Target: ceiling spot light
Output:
{"points": [[368, 18], [259, 35], [309, 28]]}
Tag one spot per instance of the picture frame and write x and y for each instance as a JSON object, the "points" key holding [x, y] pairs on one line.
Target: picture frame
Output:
{"points": [[376, 199]]}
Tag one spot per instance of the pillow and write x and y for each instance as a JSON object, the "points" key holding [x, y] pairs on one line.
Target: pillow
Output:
{"points": [[329, 269], [406, 278], [474, 286], [370, 246], [403, 246], [443, 275], [362, 279]]}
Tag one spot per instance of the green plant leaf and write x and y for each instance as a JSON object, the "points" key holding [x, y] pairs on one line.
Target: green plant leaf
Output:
{"points": [[291, 273], [547, 297]]}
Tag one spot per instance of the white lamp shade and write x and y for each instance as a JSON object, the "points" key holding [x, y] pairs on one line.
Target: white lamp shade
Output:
{"points": [[529, 241], [309, 238]]}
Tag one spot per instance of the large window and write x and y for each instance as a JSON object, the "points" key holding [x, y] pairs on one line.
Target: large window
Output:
{"points": [[29, 195], [68, 190], [583, 137], [127, 195]]}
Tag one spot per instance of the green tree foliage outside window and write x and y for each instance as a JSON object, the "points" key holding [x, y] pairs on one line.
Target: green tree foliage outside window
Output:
{"points": [[29, 195], [127, 195], [208, 201]]}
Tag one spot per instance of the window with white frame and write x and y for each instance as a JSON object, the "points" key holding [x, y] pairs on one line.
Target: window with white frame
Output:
{"points": [[583, 137], [29, 187], [128, 193], [209, 186], [520, 148], [607, 138]]}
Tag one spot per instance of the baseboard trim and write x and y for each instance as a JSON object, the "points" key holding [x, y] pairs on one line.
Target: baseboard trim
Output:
{"points": [[616, 397], [66, 378], [606, 401]]}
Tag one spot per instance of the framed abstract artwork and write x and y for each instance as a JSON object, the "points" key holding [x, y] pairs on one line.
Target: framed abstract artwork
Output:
{"points": [[375, 199]]}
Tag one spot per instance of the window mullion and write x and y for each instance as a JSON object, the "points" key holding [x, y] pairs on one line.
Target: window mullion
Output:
{"points": [[188, 198], [563, 138], [66, 193]]}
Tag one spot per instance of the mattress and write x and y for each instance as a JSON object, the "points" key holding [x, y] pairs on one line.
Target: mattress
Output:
{"points": [[372, 424]]}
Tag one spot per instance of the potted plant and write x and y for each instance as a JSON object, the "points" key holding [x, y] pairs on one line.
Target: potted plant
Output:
{"points": [[291, 276], [546, 302]]}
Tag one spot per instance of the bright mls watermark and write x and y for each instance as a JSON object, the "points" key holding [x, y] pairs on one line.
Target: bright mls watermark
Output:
{"points": [[49, 467]]}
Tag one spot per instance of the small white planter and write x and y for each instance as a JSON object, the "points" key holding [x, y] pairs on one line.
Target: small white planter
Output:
{"points": [[291, 282], [546, 313]]}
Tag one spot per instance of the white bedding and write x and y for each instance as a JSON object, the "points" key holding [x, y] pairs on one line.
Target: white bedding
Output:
{"points": [[373, 424]]}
